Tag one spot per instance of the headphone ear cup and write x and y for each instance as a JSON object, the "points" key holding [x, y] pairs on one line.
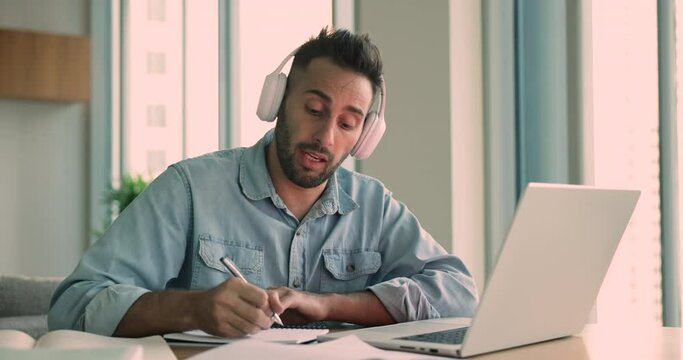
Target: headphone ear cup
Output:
{"points": [[271, 96], [373, 130]]}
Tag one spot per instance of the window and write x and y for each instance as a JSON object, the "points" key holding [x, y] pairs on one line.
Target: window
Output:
{"points": [[169, 80], [626, 152]]}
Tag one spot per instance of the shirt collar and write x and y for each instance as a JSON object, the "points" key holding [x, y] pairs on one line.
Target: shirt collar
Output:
{"points": [[257, 184], [254, 177]]}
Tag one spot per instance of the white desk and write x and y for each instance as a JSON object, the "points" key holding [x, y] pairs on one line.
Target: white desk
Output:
{"points": [[596, 342]]}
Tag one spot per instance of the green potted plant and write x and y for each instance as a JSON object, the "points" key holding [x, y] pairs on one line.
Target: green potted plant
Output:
{"points": [[118, 198]]}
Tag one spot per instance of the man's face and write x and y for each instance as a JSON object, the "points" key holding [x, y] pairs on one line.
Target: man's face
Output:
{"points": [[321, 121]]}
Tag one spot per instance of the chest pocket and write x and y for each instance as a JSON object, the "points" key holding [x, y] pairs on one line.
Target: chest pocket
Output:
{"points": [[348, 270], [210, 271]]}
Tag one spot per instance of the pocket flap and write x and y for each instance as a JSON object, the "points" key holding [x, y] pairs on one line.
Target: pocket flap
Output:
{"points": [[347, 265], [248, 259]]}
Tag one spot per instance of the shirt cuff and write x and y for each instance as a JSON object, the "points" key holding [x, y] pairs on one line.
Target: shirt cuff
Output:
{"points": [[404, 300], [106, 309]]}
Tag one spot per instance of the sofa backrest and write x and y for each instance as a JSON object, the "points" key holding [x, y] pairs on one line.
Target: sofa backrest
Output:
{"points": [[24, 295]]}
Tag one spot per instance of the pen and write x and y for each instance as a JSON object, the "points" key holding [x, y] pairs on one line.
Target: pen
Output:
{"points": [[236, 272]]}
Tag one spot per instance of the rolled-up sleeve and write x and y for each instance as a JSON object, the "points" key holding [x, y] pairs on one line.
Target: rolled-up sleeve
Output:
{"points": [[418, 278], [141, 251]]}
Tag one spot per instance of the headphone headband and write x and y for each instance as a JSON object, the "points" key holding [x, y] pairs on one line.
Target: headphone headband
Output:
{"points": [[284, 62]]}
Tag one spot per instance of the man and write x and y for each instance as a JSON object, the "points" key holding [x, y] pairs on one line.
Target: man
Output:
{"points": [[314, 241]]}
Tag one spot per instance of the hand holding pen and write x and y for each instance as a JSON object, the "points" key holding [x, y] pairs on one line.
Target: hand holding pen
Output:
{"points": [[235, 271]]}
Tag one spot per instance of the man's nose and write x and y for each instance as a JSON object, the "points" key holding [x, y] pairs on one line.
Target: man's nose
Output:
{"points": [[325, 133]]}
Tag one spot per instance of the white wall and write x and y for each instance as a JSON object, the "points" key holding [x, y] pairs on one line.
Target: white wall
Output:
{"points": [[413, 159], [432, 154], [43, 159]]}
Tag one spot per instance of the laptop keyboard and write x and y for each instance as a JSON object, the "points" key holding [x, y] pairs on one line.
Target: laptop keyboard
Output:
{"points": [[450, 336]]}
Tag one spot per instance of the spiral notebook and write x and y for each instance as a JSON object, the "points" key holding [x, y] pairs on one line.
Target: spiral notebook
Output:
{"points": [[278, 335]]}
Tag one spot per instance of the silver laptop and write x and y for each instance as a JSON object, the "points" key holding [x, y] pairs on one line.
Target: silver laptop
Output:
{"points": [[544, 283]]}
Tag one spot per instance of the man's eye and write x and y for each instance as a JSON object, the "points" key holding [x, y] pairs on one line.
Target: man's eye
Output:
{"points": [[314, 112], [346, 126]]}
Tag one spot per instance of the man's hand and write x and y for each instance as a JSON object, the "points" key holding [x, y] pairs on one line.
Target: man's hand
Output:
{"points": [[297, 307], [233, 308]]}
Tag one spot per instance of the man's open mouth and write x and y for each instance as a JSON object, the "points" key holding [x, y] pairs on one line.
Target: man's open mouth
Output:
{"points": [[315, 157]]}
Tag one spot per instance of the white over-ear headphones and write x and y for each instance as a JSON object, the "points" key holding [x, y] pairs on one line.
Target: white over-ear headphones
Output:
{"points": [[373, 128]]}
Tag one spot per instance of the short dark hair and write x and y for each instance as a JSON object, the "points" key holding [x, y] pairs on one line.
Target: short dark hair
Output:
{"points": [[345, 49]]}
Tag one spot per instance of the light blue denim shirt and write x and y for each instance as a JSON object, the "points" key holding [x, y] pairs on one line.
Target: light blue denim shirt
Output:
{"points": [[355, 237]]}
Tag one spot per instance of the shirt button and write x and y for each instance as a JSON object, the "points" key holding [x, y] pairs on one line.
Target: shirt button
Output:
{"points": [[296, 283], [298, 233], [350, 268]]}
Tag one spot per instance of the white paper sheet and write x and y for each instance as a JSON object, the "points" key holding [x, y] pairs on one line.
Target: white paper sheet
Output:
{"points": [[346, 348]]}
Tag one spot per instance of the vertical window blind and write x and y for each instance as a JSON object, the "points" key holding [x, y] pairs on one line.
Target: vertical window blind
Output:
{"points": [[678, 33]]}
